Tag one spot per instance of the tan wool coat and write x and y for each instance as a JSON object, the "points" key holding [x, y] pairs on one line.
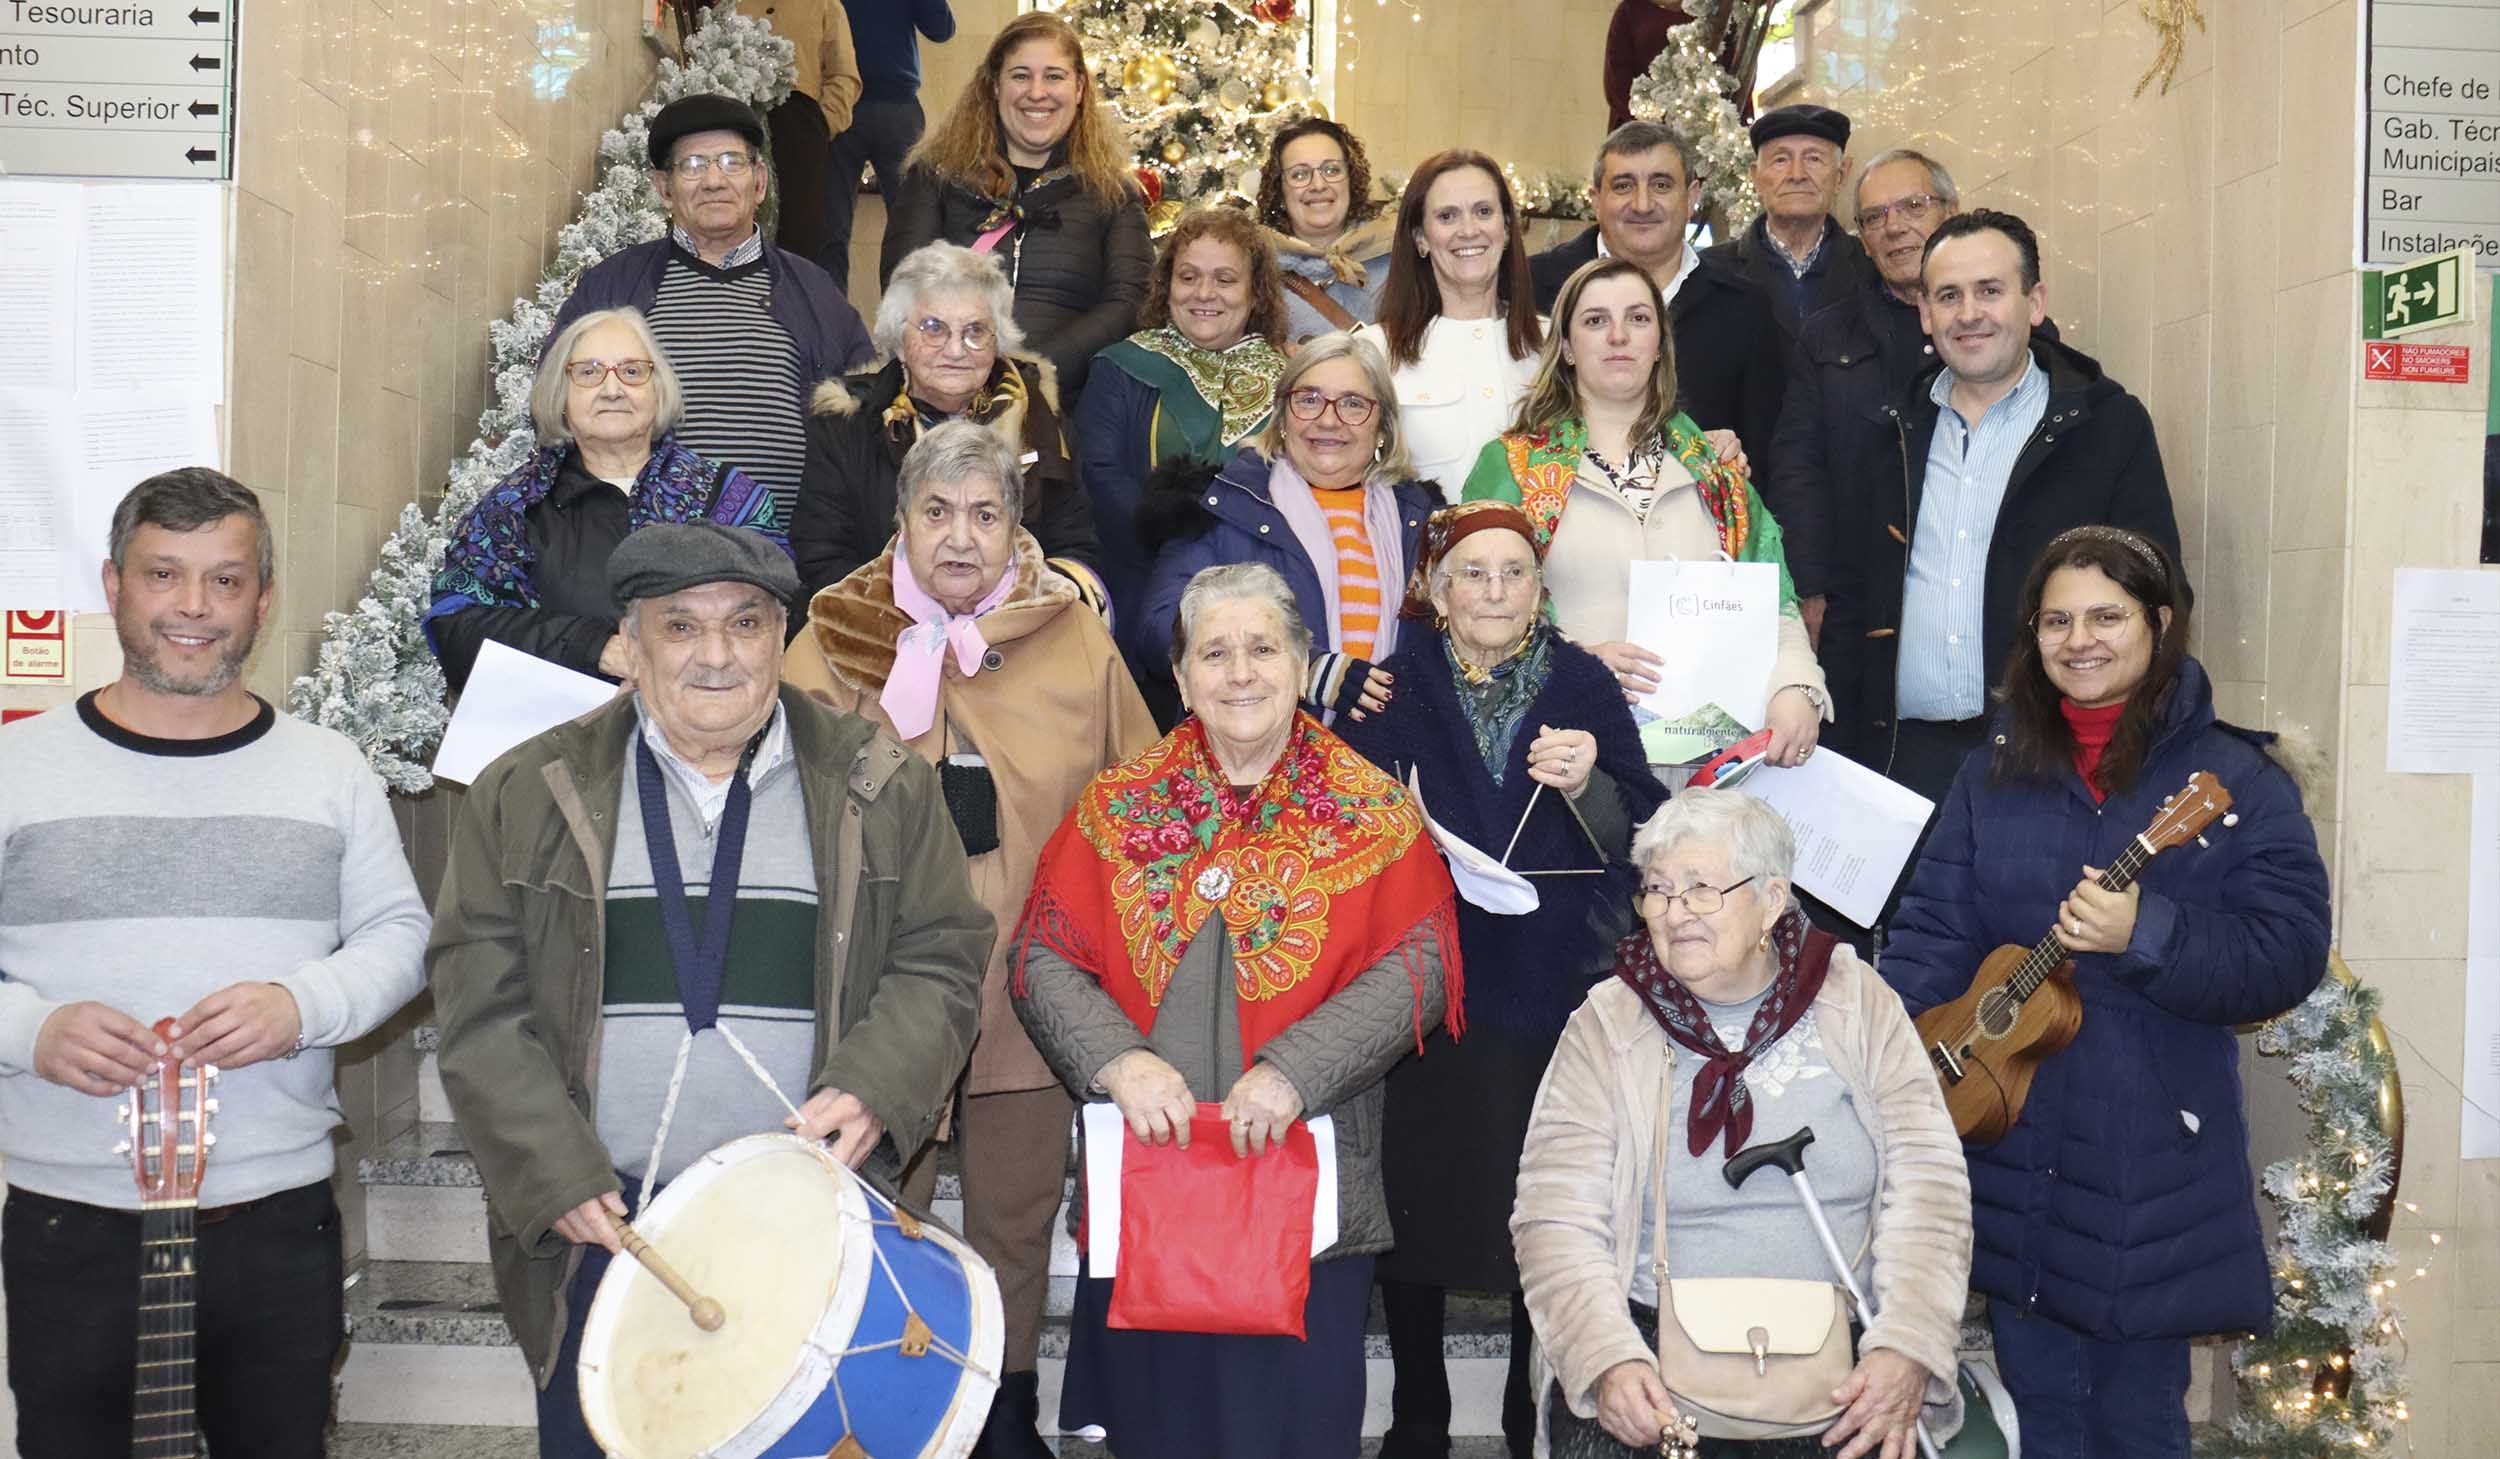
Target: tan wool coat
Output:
{"points": [[1586, 1169], [1055, 708], [828, 65]]}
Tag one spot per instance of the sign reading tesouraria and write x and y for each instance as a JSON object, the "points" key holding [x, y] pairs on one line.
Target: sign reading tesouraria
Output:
{"points": [[2430, 164], [94, 89]]}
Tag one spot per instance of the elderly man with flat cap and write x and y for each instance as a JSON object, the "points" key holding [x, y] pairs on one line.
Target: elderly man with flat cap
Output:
{"points": [[752, 328], [1796, 250], [574, 969]]}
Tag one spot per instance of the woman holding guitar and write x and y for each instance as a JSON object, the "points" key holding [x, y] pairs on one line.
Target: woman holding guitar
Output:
{"points": [[2116, 1219]]}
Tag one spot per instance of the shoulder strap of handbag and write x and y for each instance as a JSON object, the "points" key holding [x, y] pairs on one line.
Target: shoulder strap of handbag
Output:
{"points": [[1658, 1196], [1317, 297]]}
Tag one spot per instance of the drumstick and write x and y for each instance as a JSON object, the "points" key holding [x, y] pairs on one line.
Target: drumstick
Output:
{"points": [[707, 1313]]}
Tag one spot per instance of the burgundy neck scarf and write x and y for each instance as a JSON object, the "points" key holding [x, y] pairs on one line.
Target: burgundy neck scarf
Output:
{"points": [[1720, 1099]]}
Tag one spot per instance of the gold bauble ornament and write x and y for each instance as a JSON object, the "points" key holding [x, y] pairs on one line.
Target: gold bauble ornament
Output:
{"points": [[1151, 75], [1272, 96], [1162, 216], [1173, 151]]}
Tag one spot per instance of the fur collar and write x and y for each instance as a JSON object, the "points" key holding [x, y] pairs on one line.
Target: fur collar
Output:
{"points": [[874, 390], [855, 622]]}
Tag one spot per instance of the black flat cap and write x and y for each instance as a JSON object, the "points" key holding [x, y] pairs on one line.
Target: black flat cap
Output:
{"points": [[670, 557], [709, 112], [1801, 120]]}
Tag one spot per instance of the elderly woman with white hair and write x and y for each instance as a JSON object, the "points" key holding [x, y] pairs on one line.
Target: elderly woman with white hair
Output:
{"points": [[528, 566], [1731, 1022], [959, 640], [946, 328], [1326, 498], [1248, 912]]}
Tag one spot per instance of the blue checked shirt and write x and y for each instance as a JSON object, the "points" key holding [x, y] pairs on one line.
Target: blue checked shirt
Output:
{"points": [[745, 253], [1942, 673]]}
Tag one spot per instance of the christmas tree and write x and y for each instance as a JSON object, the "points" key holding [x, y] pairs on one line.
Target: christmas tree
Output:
{"points": [[1200, 84]]}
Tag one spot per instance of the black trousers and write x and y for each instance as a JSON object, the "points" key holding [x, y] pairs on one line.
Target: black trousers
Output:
{"points": [[801, 157], [880, 134], [1419, 1399], [269, 1322]]}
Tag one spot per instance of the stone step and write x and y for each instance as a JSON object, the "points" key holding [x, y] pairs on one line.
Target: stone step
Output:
{"points": [[424, 1201], [428, 1345]]}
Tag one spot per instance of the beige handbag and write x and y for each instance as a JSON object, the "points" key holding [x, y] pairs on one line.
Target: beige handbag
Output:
{"points": [[1744, 1357]]}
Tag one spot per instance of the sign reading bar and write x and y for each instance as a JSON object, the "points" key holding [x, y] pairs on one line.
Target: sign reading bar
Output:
{"points": [[2430, 154], [2436, 364], [91, 88]]}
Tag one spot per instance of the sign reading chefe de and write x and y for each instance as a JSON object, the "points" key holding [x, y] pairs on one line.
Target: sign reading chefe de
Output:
{"points": [[93, 88], [2431, 294]]}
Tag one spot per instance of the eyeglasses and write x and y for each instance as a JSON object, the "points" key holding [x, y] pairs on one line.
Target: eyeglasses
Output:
{"points": [[1301, 176], [590, 373], [936, 332], [1477, 579], [1700, 901], [1311, 404], [1916, 208], [732, 165], [2104, 622]]}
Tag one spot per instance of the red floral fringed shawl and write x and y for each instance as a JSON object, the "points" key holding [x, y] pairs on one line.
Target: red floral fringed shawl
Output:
{"points": [[1317, 874]]}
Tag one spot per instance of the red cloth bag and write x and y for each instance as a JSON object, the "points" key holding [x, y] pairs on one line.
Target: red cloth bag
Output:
{"points": [[1211, 1242]]}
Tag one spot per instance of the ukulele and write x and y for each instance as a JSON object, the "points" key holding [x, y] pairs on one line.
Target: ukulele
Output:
{"points": [[168, 1117], [2022, 1005]]}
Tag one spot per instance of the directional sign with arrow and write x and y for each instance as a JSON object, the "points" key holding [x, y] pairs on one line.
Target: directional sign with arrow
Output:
{"points": [[117, 91]]}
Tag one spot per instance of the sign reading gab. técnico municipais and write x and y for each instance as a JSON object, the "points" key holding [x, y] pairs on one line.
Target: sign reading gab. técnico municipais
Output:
{"points": [[94, 88], [2430, 155]]}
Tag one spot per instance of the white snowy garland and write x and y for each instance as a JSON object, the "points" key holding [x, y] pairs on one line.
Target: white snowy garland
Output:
{"points": [[375, 681], [1685, 89]]}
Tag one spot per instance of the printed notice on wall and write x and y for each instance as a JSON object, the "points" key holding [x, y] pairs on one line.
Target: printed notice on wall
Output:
{"points": [[2430, 164], [2443, 701], [112, 299], [2479, 1133]]}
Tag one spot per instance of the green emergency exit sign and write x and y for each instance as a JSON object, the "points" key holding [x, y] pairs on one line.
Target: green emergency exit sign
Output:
{"points": [[2425, 295]]}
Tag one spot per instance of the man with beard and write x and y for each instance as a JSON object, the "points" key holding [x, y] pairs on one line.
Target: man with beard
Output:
{"points": [[170, 844]]}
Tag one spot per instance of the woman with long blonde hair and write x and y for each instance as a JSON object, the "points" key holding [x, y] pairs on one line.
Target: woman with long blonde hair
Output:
{"points": [[1030, 165]]}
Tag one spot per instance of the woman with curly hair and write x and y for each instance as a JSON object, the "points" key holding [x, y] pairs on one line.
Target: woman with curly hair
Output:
{"points": [[1030, 166], [1330, 234], [1191, 386], [1459, 313]]}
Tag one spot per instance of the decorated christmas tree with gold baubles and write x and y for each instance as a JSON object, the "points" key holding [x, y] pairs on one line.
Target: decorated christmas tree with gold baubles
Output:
{"points": [[1201, 86]]}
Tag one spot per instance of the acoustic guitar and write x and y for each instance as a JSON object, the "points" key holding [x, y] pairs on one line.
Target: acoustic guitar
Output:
{"points": [[2022, 1005], [168, 1114]]}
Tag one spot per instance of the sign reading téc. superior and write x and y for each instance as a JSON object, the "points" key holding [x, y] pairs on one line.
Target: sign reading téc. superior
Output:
{"points": [[93, 88], [2430, 165]]}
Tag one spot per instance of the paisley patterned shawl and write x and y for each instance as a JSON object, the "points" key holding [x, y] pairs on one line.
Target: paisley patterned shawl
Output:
{"points": [[1544, 464], [490, 562], [1211, 400], [1317, 875]]}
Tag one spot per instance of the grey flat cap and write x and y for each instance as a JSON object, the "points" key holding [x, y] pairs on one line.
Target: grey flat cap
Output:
{"points": [[670, 557]]}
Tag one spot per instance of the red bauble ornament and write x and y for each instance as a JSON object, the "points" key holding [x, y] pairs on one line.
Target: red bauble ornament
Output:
{"points": [[1271, 12], [1151, 182]]}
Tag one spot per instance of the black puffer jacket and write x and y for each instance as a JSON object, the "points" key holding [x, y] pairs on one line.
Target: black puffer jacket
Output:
{"points": [[1079, 268], [845, 514]]}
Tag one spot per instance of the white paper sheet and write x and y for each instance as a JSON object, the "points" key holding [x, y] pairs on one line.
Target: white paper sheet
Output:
{"points": [[151, 300], [511, 696], [1855, 829], [2479, 1127], [2443, 700], [1479, 877], [38, 282], [1717, 626], [1106, 1136]]}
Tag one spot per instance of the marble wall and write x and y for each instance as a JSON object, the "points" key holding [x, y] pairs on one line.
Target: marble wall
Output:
{"points": [[2200, 242]]}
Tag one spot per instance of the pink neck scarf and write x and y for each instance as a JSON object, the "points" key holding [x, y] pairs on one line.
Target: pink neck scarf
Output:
{"points": [[911, 686]]}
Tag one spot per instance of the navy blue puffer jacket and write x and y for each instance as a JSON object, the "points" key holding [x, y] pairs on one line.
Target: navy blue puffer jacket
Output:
{"points": [[2121, 1204]]}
